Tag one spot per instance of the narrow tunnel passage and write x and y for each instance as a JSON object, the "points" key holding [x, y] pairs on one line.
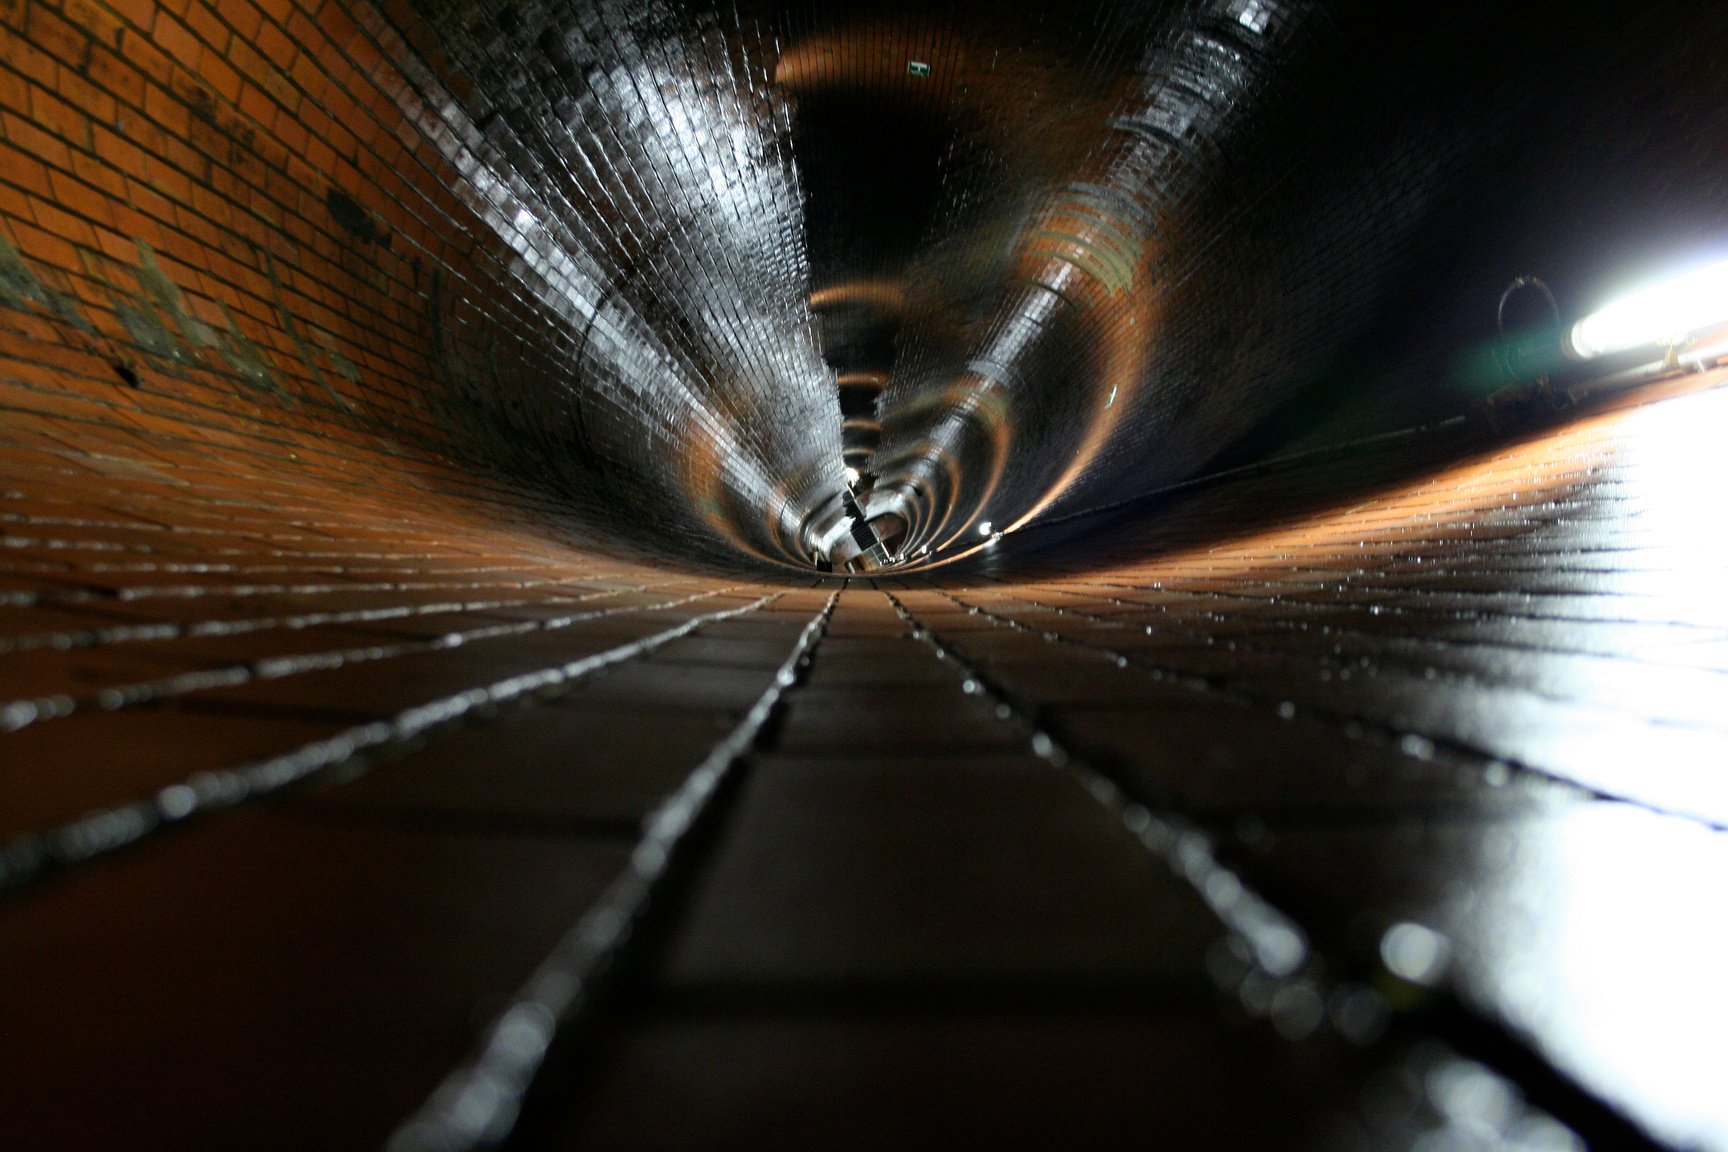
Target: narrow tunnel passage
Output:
{"points": [[769, 575]]}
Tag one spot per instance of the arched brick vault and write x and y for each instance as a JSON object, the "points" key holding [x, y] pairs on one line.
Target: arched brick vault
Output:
{"points": [[424, 427]]}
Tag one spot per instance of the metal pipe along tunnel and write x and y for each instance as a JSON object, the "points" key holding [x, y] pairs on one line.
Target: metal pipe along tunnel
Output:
{"points": [[764, 574]]}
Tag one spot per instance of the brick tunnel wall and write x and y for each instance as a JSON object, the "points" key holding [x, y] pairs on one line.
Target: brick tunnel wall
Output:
{"points": [[275, 225], [212, 238], [319, 736]]}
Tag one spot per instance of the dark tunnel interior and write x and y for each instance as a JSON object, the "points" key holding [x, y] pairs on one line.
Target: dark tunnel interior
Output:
{"points": [[756, 574]]}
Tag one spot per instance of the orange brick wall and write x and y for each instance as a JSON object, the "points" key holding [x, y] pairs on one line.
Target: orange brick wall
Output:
{"points": [[221, 235]]}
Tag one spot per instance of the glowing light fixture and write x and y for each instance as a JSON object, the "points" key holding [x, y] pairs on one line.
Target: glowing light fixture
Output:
{"points": [[984, 528], [851, 475], [1662, 313]]}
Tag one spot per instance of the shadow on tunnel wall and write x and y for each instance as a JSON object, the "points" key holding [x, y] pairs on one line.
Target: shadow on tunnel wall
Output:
{"points": [[1335, 277], [1569, 145], [1262, 518], [1352, 292]]}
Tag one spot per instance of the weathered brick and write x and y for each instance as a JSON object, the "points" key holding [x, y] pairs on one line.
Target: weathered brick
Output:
{"points": [[47, 30]]}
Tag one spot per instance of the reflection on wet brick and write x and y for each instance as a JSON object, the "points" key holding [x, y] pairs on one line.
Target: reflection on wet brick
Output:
{"points": [[783, 576]]}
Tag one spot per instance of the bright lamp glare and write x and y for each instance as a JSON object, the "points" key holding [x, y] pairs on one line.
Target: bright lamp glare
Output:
{"points": [[984, 528], [851, 475], [1660, 314]]}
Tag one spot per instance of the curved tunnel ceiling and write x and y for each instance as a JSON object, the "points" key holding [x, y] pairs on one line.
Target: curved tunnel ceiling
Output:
{"points": [[785, 287], [980, 265]]}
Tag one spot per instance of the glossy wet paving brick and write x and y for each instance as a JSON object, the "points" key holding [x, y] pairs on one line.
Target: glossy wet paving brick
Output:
{"points": [[939, 1078], [1592, 925], [60, 770], [957, 875], [910, 922], [569, 764], [272, 983]]}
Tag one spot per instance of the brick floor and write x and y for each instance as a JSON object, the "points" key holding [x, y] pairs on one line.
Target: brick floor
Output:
{"points": [[1008, 862]]}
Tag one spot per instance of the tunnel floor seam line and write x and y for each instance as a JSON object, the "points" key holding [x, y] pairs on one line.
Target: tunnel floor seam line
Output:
{"points": [[1463, 615], [1270, 949], [1277, 945], [18, 714], [1456, 754], [235, 626], [1345, 611], [1252, 644], [478, 1104], [32, 856], [1436, 749], [29, 597]]}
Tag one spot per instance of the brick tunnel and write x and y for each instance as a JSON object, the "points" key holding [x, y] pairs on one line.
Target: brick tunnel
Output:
{"points": [[781, 575]]}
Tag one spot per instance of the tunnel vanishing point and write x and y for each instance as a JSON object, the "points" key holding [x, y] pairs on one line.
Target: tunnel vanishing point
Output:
{"points": [[776, 574]]}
